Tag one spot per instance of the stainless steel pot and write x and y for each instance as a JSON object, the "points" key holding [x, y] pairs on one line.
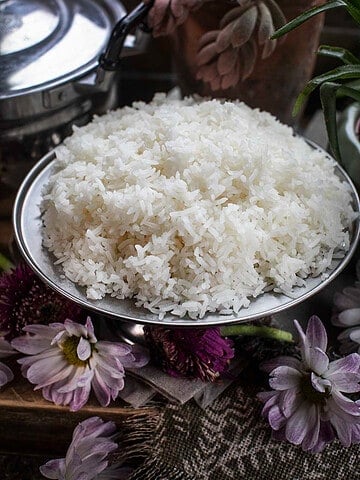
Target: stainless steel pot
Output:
{"points": [[58, 67]]}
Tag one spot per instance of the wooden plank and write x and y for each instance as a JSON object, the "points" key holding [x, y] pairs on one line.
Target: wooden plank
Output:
{"points": [[31, 425]]}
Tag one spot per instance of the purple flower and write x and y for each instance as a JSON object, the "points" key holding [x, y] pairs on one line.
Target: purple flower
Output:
{"points": [[66, 360], [86, 457], [25, 300], [306, 406], [347, 306], [6, 374], [190, 352]]}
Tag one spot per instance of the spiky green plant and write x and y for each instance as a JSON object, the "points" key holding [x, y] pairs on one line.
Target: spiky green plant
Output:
{"points": [[338, 82]]}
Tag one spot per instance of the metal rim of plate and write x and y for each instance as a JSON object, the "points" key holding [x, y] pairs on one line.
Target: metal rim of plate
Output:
{"points": [[27, 229]]}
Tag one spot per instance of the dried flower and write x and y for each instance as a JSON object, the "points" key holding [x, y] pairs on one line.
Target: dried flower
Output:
{"points": [[190, 352], [306, 406], [66, 360], [25, 300], [228, 55], [347, 314], [166, 15], [6, 375], [86, 457]]}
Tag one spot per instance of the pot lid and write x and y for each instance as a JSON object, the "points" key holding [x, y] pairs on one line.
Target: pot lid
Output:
{"points": [[47, 42]]}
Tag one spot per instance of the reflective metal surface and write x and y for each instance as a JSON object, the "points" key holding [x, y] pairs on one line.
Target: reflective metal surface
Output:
{"points": [[49, 50], [45, 42], [28, 233], [49, 56]]}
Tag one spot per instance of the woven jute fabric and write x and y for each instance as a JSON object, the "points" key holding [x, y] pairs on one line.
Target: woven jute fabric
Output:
{"points": [[230, 440]]}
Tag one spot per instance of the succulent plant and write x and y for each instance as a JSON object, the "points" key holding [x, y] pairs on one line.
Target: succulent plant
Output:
{"points": [[228, 54], [166, 15]]}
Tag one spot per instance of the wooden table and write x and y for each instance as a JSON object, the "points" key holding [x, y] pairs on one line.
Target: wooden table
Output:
{"points": [[31, 425]]}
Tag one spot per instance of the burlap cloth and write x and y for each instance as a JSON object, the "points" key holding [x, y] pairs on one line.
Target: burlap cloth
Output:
{"points": [[227, 441], [230, 441]]}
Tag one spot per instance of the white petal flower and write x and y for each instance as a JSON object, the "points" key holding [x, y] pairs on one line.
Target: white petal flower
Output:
{"points": [[66, 361], [307, 406], [86, 457]]}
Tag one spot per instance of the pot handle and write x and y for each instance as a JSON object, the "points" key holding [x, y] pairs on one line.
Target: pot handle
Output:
{"points": [[110, 59]]}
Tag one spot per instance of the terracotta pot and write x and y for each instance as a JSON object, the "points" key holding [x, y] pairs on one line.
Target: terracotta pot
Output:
{"points": [[275, 81]]}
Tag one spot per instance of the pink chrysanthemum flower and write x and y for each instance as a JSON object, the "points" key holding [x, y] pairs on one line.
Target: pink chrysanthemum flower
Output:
{"points": [[306, 406], [25, 300], [87, 455], [6, 375], [66, 361], [190, 352]]}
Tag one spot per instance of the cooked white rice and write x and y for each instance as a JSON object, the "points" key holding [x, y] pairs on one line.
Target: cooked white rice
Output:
{"points": [[191, 207]]}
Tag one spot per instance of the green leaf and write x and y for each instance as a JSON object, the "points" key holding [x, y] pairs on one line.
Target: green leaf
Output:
{"points": [[353, 7], [354, 3], [355, 84], [5, 263], [337, 52], [329, 91], [328, 103], [296, 22], [341, 73]]}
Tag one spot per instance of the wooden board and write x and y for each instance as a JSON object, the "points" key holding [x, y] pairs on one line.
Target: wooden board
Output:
{"points": [[31, 425]]}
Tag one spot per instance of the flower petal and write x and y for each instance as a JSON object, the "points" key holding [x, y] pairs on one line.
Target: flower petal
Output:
{"points": [[355, 335], [276, 418], [113, 349], [44, 331], [80, 397], [344, 406], [346, 382], [348, 298], [83, 349], [139, 358], [90, 330], [6, 375], [355, 433], [350, 317], [270, 365], [343, 430], [93, 427], [318, 360], [320, 384], [46, 369], [316, 333], [5, 348], [303, 343], [297, 425], [290, 401], [80, 378], [54, 469], [326, 435], [311, 438], [283, 378], [75, 329], [348, 364], [101, 390], [30, 345]]}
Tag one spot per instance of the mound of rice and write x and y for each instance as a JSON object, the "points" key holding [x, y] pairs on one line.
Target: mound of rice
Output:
{"points": [[192, 206]]}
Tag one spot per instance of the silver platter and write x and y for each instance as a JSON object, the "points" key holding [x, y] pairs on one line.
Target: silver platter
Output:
{"points": [[28, 233]]}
